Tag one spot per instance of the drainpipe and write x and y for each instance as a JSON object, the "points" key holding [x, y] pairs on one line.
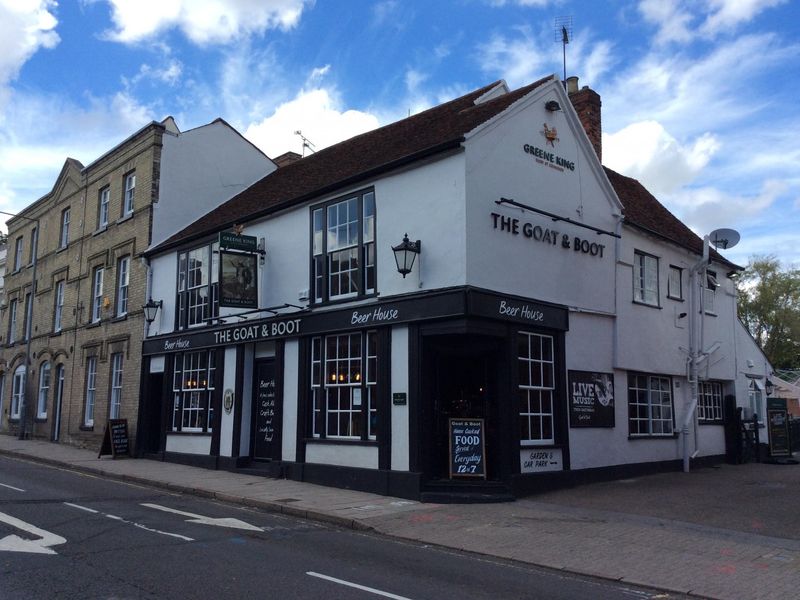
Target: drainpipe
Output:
{"points": [[694, 352], [615, 333]]}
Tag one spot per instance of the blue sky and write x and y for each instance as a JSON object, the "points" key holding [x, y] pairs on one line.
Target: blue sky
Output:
{"points": [[700, 97]]}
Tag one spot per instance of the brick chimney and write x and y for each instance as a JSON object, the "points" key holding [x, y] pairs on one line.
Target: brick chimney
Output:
{"points": [[586, 103]]}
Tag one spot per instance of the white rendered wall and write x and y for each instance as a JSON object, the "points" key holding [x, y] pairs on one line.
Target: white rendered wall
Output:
{"points": [[189, 444], [247, 399], [290, 375], [342, 455], [227, 419], [200, 169], [400, 435], [497, 166], [164, 283]]}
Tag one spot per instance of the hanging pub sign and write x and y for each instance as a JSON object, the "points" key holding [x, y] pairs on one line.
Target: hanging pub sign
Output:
{"points": [[591, 399], [238, 279], [229, 240], [467, 448]]}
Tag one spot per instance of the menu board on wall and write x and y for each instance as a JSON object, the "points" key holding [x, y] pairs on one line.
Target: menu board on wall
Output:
{"points": [[591, 399], [467, 448], [267, 413], [778, 423]]}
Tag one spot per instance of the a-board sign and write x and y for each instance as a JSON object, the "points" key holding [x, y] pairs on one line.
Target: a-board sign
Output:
{"points": [[115, 439], [467, 448], [778, 424], [266, 444]]}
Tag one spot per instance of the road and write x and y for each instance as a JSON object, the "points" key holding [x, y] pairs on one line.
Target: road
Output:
{"points": [[65, 535]]}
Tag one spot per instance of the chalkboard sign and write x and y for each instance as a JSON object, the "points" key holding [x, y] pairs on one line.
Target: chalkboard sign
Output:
{"points": [[267, 419], [115, 439], [467, 448], [778, 423]]}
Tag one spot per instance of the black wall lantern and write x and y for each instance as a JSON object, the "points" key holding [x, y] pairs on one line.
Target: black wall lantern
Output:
{"points": [[769, 387], [405, 253], [150, 310]]}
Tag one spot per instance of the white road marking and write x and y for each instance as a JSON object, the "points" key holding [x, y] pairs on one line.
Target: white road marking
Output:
{"points": [[139, 525], [14, 543], [223, 522], [357, 586], [78, 506], [11, 487]]}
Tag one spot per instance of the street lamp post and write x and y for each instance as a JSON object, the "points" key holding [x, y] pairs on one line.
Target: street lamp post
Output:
{"points": [[28, 321]]}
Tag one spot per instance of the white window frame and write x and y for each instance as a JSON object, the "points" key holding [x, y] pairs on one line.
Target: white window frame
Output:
{"points": [[91, 391], [123, 281], [17, 392], [343, 248], [44, 390], [130, 194], [58, 313], [104, 207], [344, 384], [115, 401], [709, 401], [193, 384], [198, 286], [650, 406], [64, 233], [536, 369], [708, 292], [755, 396], [645, 279], [97, 294], [675, 283], [12, 321]]}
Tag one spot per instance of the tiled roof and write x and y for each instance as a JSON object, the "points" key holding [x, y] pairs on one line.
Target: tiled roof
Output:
{"points": [[432, 131], [644, 211], [424, 134]]}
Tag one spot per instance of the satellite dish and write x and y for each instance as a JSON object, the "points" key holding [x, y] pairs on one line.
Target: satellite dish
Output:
{"points": [[724, 238]]}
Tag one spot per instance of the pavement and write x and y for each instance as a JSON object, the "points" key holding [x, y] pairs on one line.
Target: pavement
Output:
{"points": [[728, 532]]}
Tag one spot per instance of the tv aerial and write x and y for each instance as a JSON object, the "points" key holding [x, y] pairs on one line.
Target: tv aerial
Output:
{"points": [[306, 142], [563, 33]]}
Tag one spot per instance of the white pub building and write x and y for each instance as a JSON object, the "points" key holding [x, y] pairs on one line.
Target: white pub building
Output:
{"points": [[464, 303]]}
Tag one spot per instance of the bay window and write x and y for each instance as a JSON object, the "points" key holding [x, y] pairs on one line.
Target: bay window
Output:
{"points": [[343, 248]]}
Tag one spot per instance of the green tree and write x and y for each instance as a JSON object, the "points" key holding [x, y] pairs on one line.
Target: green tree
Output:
{"points": [[769, 306]]}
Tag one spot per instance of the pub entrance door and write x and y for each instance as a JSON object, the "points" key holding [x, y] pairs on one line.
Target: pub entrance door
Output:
{"points": [[461, 383], [267, 412]]}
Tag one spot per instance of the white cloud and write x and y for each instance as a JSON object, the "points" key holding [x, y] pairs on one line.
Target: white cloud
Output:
{"points": [[318, 113], [25, 26], [517, 59], [202, 21], [523, 57], [538, 3], [727, 14], [41, 132], [674, 23], [169, 74], [647, 152]]}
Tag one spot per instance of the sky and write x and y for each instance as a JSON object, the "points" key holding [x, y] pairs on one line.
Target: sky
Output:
{"points": [[700, 97]]}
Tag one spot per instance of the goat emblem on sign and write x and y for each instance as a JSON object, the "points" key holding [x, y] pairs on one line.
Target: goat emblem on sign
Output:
{"points": [[550, 134]]}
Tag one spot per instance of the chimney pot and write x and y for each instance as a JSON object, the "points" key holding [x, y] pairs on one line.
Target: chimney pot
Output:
{"points": [[572, 84]]}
